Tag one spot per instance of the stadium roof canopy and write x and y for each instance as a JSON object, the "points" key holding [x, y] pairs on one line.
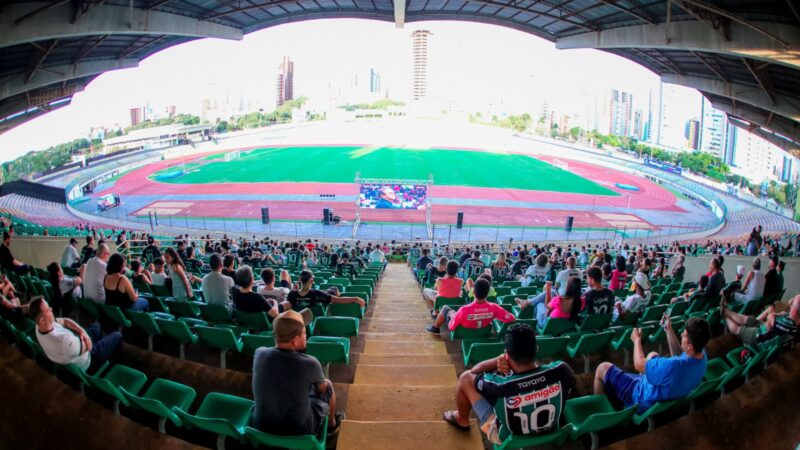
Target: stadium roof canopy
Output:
{"points": [[743, 55]]}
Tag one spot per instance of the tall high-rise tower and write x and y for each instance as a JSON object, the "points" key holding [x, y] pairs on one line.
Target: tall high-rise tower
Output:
{"points": [[374, 81], [621, 112], [284, 87], [420, 74], [713, 130], [692, 134]]}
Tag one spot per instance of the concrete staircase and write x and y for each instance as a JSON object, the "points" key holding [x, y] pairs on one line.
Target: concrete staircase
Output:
{"points": [[404, 379]]}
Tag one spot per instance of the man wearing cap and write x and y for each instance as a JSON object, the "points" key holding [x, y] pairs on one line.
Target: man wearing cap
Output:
{"points": [[292, 396], [636, 302], [506, 391]]}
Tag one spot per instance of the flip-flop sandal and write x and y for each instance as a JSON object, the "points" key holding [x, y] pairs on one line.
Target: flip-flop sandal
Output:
{"points": [[450, 417], [340, 417]]}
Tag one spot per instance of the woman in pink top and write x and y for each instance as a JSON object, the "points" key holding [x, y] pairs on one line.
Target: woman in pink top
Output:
{"points": [[618, 276], [446, 286], [566, 306]]}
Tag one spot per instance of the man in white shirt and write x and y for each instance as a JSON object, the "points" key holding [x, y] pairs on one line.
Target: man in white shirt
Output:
{"points": [[268, 289], [216, 286], [71, 257], [65, 342], [566, 274], [93, 273]]}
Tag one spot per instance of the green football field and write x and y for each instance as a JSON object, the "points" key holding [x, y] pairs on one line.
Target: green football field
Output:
{"points": [[340, 164]]}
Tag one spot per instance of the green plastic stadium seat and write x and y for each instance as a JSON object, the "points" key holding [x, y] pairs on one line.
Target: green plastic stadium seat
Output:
{"points": [[522, 314], [502, 290], [335, 326], [594, 322], [221, 338], [147, 324], [256, 320], [116, 315], [251, 342], [160, 291], [512, 284], [179, 331], [329, 350], [704, 388], [340, 281], [593, 413], [160, 398], [447, 301], [221, 414], [118, 377], [215, 313], [588, 344], [520, 442], [649, 415], [556, 327], [678, 309], [500, 328], [481, 351], [307, 442], [182, 308], [526, 291], [89, 306], [653, 313], [470, 333], [360, 288], [361, 295], [346, 310], [551, 347]]}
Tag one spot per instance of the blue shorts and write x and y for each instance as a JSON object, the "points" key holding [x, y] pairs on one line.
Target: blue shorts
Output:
{"points": [[619, 386]]}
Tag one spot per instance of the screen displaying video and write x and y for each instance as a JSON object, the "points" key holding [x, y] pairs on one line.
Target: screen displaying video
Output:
{"points": [[393, 196]]}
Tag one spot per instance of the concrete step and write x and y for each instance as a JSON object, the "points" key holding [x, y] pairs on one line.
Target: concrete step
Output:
{"points": [[398, 327], [444, 375], [396, 321], [404, 348], [358, 435], [412, 360], [419, 336], [408, 403], [401, 307]]}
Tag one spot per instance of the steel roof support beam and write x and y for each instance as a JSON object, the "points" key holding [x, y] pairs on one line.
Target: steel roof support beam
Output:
{"points": [[17, 84], [55, 23], [752, 95], [692, 35], [399, 13], [764, 119]]}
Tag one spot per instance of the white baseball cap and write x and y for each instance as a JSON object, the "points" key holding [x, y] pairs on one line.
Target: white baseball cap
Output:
{"points": [[641, 279]]}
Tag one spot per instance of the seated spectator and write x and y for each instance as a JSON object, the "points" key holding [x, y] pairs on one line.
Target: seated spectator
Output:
{"points": [[753, 286], [151, 252], [470, 284], [733, 286], [500, 267], [344, 268], [88, 252], [308, 296], [679, 269], [68, 287], [597, 299], [6, 287], [93, 274], [605, 269], [448, 286], [716, 278], [781, 266], [435, 272], [537, 273], [423, 262], [661, 269], [7, 260], [549, 305], [619, 277], [140, 274], [478, 314], [192, 264], [769, 324], [227, 267], [566, 274], [520, 266], [638, 300], [119, 289], [70, 257], [474, 266], [772, 285], [65, 342], [630, 267], [159, 276], [245, 300], [216, 286], [292, 397], [658, 378], [494, 389], [268, 289], [695, 295]]}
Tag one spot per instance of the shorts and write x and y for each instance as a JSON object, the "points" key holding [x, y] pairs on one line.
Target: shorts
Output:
{"points": [[320, 406], [619, 386], [448, 312], [285, 284], [748, 333]]}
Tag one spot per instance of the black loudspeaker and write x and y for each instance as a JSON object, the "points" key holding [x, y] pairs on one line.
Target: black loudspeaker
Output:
{"points": [[264, 215], [568, 225], [326, 216], [460, 220]]}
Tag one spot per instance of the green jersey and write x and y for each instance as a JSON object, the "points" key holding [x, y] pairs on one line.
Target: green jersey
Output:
{"points": [[294, 258], [528, 403]]}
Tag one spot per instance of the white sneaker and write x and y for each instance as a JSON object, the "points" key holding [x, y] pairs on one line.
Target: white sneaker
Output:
{"points": [[491, 431]]}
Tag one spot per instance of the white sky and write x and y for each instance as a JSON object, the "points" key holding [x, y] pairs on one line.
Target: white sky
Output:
{"points": [[479, 67]]}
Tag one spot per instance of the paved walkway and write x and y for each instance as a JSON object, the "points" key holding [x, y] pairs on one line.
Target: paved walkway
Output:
{"points": [[404, 378]]}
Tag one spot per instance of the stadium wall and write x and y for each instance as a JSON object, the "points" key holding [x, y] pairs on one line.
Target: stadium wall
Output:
{"points": [[42, 250], [35, 190]]}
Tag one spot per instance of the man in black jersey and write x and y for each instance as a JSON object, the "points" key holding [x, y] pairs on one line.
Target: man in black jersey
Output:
{"points": [[513, 393], [598, 299], [519, 268]]}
